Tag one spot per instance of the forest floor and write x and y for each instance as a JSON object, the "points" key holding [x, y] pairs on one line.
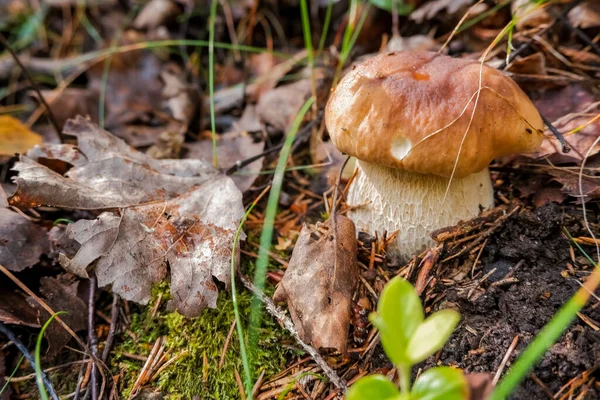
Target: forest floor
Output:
{"points": [[120, 206]]}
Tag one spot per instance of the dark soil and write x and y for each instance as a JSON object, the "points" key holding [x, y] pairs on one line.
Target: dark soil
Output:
{"points": [[491, 322]]}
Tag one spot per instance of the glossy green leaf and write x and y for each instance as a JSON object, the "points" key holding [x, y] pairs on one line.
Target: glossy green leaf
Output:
{"points": [[376, 387], [403, 9], [431, 335], [399, 314], [441, 383]]}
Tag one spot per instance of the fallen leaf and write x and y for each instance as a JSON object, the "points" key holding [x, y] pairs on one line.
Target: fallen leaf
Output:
{"points": [[278, 107], [431, 9], [68, 103], [585, 15], [569, 108], [528, 14], [22, 242], [480, 385], [15, 310], [319, 283], [179, 97], [155, 13], [569, 179], [15, 137], [61, 294], [177, 216], [231, 148], [168, 145]]}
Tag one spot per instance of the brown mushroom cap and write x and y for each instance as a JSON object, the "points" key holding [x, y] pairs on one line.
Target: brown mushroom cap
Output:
{"points": [[388, 109]]}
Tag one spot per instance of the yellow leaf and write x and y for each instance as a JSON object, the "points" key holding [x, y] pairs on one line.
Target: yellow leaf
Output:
{"points": [[15, 137]]}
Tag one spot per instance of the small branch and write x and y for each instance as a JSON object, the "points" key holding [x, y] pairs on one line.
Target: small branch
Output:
{"points": [[92, 335], [289, 325], [565, 147], [11, 336], [114, 320], [35, 87], [299, 137]]}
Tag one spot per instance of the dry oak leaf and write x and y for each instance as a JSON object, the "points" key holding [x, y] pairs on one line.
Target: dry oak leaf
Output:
{"points": [[22, 242], [320, 281], [15, 137], [166, 216]]}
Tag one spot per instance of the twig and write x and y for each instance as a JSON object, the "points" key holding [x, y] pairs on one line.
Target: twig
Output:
{"points": [[299, 137], [114, 320], [93, 339], [289, 325], [581, 34], [565, 147], [35, 87], [11, 336], [509, 352]]}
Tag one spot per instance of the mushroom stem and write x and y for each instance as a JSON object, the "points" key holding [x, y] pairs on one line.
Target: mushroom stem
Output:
{"points": [[414, 204]]}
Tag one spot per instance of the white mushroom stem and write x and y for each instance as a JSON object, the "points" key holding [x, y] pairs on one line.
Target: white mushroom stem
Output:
{"points": [[414, 204]]}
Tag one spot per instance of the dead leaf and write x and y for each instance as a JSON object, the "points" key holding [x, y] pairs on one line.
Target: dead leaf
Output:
{"points": [[569, 108], [177, 213], [15, 137], [231, 147], [278, 107], [21, 241], [431, 9], [534, 64], [61, 294], [181, 99], [585, 15], [71, 102], [155, 13], [528, 14], [168, 145], [480, 385], [15, 310], [590, 185], [320, 281], [412, 43]]}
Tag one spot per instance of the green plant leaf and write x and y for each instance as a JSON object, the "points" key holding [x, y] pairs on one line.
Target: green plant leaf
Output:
{"points": [[403, 9], [431, 335], [376, 387], [441, 383], [399, 314]]}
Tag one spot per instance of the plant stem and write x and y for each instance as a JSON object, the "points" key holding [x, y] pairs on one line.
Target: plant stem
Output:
{"points": [[404, 372], [211, 79]]}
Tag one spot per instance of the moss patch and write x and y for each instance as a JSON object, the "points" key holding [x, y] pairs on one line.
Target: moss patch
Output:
{"points": [[205, 335]]}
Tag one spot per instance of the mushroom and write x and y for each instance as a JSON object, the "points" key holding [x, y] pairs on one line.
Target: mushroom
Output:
{"points": [[422, 147]]}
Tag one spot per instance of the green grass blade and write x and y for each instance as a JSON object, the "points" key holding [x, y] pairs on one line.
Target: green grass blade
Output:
{"points": [[236, 311], [307, 32], [39, 380], [267, 231], [326, 25], [14, 371], [211, 79]]}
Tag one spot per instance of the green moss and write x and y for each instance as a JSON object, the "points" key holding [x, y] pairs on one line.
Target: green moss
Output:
{"points": [[206, 334]]}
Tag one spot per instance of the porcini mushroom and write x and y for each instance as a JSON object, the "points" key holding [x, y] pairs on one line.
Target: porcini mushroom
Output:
{"points": [[422, 146]]}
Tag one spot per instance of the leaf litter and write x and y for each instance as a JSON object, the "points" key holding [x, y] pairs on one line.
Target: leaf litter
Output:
{"points": [[174, 218]]}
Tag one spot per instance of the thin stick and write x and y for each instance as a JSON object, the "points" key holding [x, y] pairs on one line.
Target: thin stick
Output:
{"points": [[509, 352], [35, 87], [114, 320], [92, 334], [11, 336], [243, 163], [289, 325], [561, 139]]}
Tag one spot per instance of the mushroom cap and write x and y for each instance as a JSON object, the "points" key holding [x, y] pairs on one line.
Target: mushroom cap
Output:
{"points": [[412, 111]]}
